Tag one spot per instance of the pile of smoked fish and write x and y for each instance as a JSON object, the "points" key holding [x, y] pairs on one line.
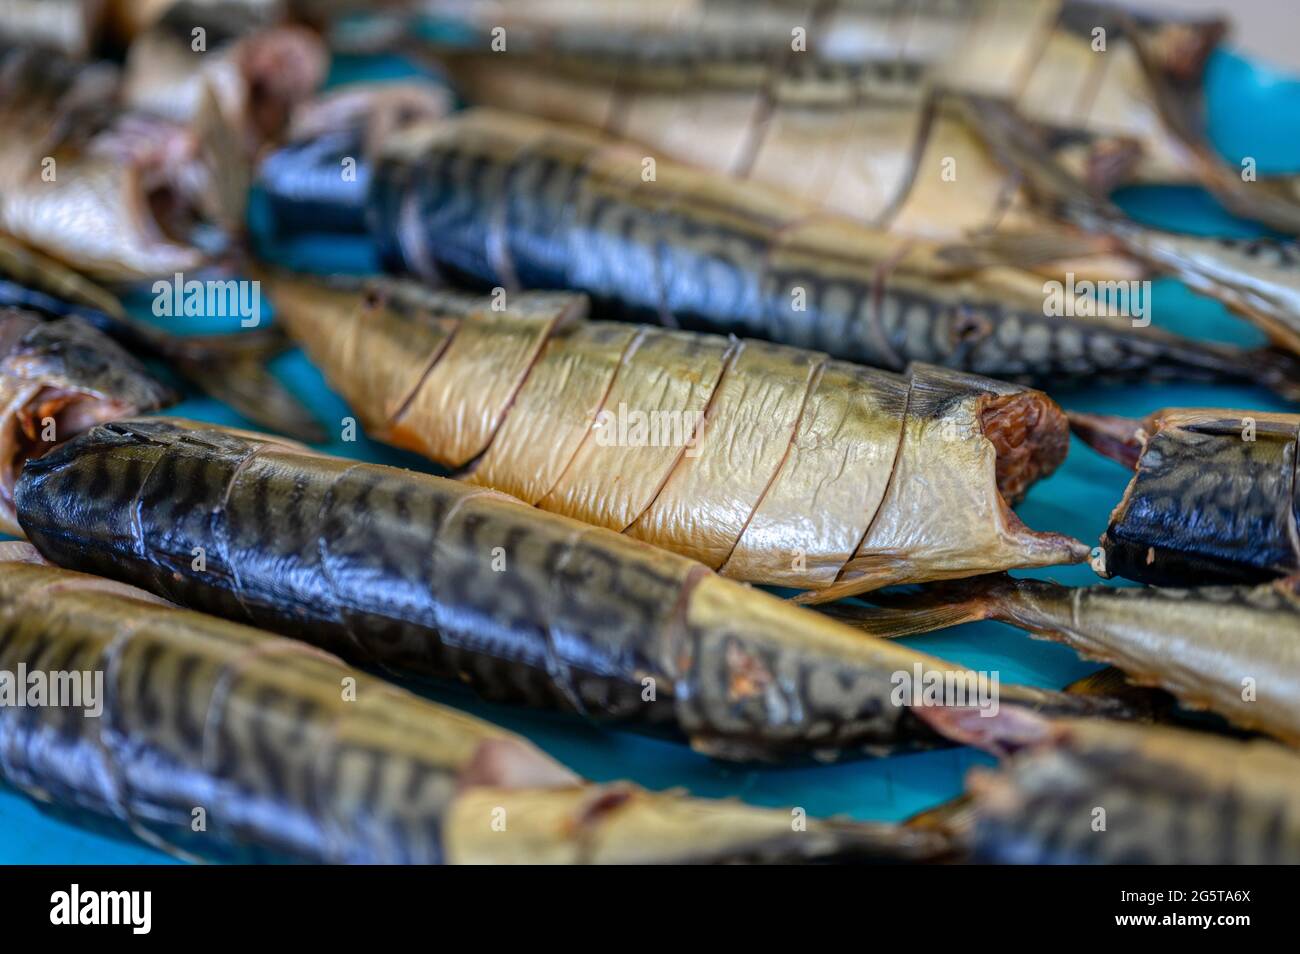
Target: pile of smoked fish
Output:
{"points": [[716, 339]]}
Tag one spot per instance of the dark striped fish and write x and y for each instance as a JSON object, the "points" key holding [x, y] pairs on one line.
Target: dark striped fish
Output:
{"points": [[1213, 498], [212, 740], [492, 199], [434, 577], [1072, 791]]}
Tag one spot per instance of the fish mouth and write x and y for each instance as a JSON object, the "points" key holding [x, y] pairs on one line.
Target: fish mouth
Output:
{"points": [[23, 428], [1030, 435]]}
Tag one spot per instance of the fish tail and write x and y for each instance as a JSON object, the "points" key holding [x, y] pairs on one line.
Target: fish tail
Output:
{"points": [[1114, 437]]}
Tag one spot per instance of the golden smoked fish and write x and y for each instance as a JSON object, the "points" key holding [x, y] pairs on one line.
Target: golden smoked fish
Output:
{"points": [[283, 753], [830, 101], [767, 463]]}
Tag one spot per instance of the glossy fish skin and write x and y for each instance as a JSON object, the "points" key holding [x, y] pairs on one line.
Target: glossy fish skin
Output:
{"points": [[1234, 650], [1213, 498], [301, 179], [295, 756], [784, 468], [1169, 796], [63, 375], [432, 577], [493, 199]]}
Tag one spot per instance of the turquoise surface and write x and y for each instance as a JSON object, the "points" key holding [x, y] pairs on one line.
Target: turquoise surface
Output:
{"points": [[1252, 112]]}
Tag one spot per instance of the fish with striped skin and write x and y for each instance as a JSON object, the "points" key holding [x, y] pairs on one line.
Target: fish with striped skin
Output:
{"points": [[766, 463], [432, 577], [501, 200], [747, 88], [1234, 650], [292, 755], [230, 367], [1073, 791], [1212, 500], [57, 379]]}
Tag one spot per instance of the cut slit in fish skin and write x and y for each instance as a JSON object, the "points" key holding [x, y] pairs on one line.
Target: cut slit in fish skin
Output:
{"points": [[785, 467]]}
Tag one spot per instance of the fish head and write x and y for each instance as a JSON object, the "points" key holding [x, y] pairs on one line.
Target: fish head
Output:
{"points": [[58, 379]]}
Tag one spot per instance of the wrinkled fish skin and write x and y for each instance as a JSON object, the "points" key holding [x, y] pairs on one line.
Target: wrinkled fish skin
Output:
{"points": [[1234, 650], [1213, 498], [434, 577], [1169, 796], [322, 763], [729, 62], [493, 199], [61, 374], [766, 463]]}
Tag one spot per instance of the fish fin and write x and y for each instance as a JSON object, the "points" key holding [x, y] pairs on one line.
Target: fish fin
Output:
{"points": [[926, 613], [237, 375], [1023, 148], [1119, 438], [1025, 248], [1109, 681], [224, 196], [860, 575], [954, 817]]}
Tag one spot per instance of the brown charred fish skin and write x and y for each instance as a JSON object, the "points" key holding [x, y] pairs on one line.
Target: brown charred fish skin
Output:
{"points": [[766, 463], [1090, 792], [433, 577], [1213, 499], [292, 756], [497, 200]]}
